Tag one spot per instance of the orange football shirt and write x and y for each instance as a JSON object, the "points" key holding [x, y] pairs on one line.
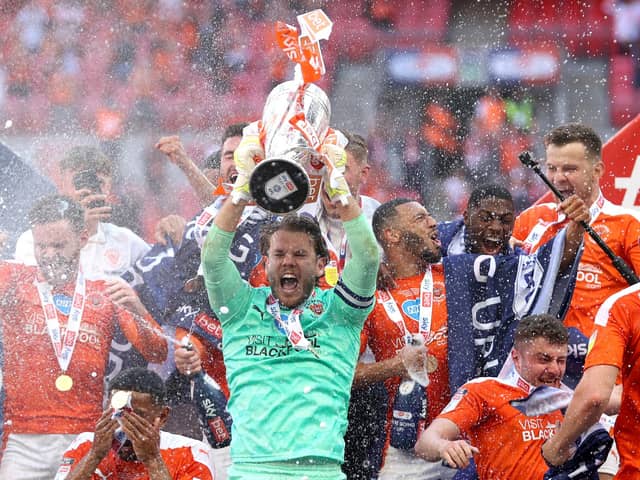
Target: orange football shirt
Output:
{"points": [[616, 341], [385, 338], [597, 278], [33, 404], [509, 442], [185, 458]]}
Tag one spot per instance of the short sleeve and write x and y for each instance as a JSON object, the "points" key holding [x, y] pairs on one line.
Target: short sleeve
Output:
{"points": [[465, 408], [607, 344]]}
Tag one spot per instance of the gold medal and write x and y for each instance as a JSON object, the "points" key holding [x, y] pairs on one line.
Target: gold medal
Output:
{"points": [[64, 383], [120, 399], [432, 364], [331, 273]]}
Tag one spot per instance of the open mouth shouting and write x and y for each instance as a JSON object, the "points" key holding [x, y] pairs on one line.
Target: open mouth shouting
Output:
{"points": [[289, 283], [436, 239], [492, 245], [552, 381]]}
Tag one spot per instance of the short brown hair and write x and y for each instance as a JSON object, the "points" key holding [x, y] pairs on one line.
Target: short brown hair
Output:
{"points": [[357, 146], [83, 158], [293, 222], [55, 208], [575, 132], [233, 130], [541, 326]]}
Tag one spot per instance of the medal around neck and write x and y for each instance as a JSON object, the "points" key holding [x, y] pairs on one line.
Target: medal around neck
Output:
{"points": [[64, 383], [120, 400], [331, 273]]}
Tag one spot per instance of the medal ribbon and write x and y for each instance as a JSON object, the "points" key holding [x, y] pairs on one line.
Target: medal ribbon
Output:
{"points": [[538, 231], [304, 48], [292, 325], [342, 253], [342, 259], [63, 347], [426, 309], [510, 375]]}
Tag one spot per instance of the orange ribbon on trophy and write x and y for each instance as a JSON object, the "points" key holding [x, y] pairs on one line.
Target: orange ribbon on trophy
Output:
{"points": [[304, 47]]}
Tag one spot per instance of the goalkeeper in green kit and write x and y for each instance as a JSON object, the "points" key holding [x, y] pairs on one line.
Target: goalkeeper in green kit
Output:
{"points": [[290, 349]]}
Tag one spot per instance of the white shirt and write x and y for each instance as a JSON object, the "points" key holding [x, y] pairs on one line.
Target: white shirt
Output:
{"points": [[107, 254], [333, 230]]}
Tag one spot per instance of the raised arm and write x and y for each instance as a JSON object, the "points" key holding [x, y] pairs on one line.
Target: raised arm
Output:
{"points": [[361, 270], [173, 148], [136, 322]]}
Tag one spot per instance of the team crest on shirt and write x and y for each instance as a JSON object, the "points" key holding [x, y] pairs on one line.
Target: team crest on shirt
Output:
{"points": [[601, 230], [317, 308], [112, 256]]}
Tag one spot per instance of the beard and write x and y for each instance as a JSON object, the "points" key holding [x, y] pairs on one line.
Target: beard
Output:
{"points": [[430, 256], [125, 450], [417, 246]]}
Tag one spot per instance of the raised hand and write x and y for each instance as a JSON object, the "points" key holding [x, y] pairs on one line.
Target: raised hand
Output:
{"points": [[245, 157], [123, 295], [335, 160], [103, 435], [144, 436]]}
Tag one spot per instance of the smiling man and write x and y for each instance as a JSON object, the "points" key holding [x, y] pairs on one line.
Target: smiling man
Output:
{"points": [[438, 321], [486, 225], [290, 349], [574, 165], [479, 418], [57, 328]]}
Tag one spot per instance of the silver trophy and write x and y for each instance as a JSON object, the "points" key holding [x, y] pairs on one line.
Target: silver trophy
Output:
{"points": [[295, 121]]}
